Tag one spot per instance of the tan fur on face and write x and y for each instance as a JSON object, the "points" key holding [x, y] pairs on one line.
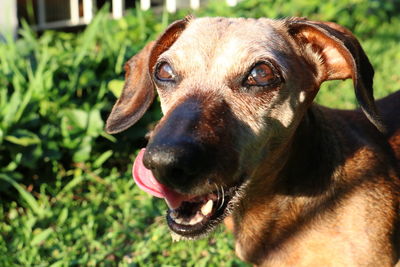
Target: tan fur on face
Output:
{"points": [[213, 67], [210, 67]]}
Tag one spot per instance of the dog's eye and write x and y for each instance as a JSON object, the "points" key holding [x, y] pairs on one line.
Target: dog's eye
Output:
{"points": [[260, 75], [164, 72]]}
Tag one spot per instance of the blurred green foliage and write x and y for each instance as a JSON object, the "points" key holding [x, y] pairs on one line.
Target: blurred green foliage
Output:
{"points": [[67, 197]]}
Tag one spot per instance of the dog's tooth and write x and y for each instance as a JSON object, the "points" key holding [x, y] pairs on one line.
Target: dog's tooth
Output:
{"points": [[207, 208], [179, 220], [196, 219], [173, 214], [183, 221]]}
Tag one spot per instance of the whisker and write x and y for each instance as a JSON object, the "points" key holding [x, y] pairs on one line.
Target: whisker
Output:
{"points": [[223, 198], [218, 193], [217, 189]]}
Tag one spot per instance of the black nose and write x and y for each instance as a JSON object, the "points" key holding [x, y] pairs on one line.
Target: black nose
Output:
{"points": [[177, 166]]}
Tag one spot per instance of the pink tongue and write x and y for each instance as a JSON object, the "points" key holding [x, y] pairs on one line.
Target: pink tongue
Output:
{"points": [[145, 180]]}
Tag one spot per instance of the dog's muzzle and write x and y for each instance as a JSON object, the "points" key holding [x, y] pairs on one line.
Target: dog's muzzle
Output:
{"points": [[189, 215]]}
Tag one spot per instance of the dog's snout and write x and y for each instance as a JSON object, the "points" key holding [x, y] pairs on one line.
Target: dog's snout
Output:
{"points": [[176, 166], [175, 154]]}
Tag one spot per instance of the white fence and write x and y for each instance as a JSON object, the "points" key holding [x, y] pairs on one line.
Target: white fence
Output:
{"points": [[65, 13], [8, 18]]}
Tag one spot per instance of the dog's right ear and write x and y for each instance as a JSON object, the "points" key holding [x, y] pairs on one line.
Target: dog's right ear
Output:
{"points": [[138, 92], [137, 95]]}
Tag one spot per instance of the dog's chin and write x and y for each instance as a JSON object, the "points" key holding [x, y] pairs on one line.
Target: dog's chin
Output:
{"points": [[197, 217]]}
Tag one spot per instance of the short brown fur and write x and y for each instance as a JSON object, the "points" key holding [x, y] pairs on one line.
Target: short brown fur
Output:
{"points": [[321, 185]]}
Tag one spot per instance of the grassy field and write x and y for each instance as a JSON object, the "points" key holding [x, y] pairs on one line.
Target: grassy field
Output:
{"points": [[67, 196]]}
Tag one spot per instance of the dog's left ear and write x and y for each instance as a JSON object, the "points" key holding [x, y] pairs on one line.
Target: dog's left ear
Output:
{"points": [[339, 56], [138, 92]]}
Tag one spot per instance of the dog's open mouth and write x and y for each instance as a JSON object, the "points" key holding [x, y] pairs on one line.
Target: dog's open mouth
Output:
{"points": [[199, 215], [188, 216]]}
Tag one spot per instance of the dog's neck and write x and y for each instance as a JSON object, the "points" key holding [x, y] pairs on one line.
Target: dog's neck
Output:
{"points": [[313, 157], [291, 195]]}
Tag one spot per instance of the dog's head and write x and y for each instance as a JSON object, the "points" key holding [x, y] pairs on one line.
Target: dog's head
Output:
{"points": [[232, 92]]}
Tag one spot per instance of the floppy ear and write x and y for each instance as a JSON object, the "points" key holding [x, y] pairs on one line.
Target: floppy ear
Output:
{"points": [[138, 92], [339, 56], [137, 95]]}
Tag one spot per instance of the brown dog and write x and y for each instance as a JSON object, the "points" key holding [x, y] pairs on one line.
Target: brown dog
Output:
{"points": [[306, 185]]}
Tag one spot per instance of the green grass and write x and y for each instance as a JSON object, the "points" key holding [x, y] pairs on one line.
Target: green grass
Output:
{"points": [[93, 220], [67, 196]]}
